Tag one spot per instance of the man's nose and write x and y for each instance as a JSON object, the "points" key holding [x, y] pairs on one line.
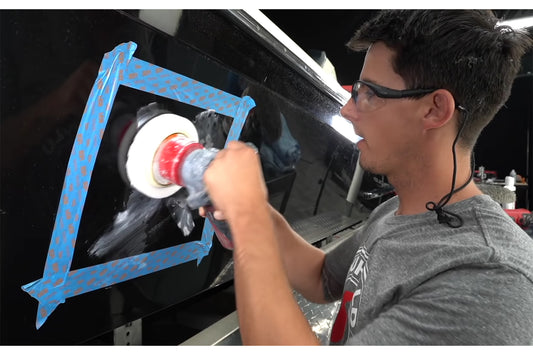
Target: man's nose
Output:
{"points": [[349, 111]]}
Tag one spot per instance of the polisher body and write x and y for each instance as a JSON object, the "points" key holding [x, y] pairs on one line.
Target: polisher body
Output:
{"points": [[165, 156]]}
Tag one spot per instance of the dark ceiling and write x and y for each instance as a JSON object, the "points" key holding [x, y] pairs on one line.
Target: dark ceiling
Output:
{"points": [[329, 30]]}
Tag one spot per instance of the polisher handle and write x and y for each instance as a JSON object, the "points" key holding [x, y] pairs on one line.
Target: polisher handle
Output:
{"points": [[222, 230], [193, 167]]}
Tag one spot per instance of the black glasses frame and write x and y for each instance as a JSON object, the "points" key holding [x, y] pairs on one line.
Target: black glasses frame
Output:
{"points": [[387, 93]]}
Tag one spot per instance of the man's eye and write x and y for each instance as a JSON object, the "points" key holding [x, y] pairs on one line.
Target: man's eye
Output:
{"points": [[368, 94]]}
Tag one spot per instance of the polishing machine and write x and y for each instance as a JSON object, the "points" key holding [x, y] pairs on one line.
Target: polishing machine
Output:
{"points": [[162, 154]]}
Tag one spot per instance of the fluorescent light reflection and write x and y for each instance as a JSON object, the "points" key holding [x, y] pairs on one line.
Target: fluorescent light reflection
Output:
{"points": [[344, 127], [518, 23]]}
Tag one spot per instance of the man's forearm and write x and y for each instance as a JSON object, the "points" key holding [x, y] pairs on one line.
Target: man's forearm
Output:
{"points": [[268, 312], [302, 260]]}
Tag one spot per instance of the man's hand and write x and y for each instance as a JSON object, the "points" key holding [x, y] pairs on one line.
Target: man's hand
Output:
{"points": [[234, 181]]}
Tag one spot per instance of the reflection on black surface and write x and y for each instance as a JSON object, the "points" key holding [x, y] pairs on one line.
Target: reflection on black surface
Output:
{"points": [[267, 128]]}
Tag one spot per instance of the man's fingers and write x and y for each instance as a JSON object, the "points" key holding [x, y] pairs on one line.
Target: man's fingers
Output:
{"points": [[201, 211], [219, 215]]}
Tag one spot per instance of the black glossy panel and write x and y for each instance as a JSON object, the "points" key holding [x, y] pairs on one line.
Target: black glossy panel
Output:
{"points": [[49, 61]]}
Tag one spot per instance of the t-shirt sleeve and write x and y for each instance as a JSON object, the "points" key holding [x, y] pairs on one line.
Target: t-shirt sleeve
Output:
{"points": [[474, 304], [336, 265]]}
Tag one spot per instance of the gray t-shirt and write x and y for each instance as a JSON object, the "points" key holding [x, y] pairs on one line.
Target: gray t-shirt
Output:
{"points": [[411, 280]]}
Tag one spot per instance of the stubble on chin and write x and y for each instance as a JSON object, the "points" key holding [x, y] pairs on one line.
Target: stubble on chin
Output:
{"points": [[367, 165]]}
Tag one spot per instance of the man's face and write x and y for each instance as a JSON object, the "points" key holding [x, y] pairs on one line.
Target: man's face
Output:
{"points": [[391, 132]]}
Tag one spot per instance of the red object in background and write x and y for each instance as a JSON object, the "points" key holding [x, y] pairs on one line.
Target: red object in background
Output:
{"points": [[489, 174], [521, 216], [347, 87]]}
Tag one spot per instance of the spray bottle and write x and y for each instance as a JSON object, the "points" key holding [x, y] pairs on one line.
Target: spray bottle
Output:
{"points": [[510, 185]]}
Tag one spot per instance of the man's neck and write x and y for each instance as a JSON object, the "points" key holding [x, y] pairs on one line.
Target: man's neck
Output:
{"points": [[415, 190]]}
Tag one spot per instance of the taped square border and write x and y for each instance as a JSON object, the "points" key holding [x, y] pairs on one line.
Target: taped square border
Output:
{"points": [[119, 67]]}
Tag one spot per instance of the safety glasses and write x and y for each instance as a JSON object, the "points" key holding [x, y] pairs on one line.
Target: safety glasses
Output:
{"points": [[369, 96]]}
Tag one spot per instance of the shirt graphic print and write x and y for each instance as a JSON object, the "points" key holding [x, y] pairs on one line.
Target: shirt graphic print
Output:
{"points": [[353, 288]]}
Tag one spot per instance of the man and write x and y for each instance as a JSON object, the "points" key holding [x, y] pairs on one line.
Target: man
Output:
{"points": [[440, 263]]}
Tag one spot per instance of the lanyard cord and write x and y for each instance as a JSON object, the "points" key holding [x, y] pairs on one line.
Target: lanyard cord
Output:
{"points": [[451, 219]]}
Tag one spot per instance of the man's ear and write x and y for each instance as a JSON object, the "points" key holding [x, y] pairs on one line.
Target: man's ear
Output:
{"points": [[440, 109]]}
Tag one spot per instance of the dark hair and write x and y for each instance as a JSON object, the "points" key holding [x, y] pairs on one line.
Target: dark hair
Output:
{"points": [[463, 51]]}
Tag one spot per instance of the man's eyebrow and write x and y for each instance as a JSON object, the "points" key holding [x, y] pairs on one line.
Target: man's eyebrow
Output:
{"points": [[369, 81]]}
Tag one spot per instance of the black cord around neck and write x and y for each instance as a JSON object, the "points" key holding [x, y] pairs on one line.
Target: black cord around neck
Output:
{"points": [[451, 219]]}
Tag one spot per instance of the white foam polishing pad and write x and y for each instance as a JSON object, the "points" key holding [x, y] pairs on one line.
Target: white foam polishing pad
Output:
{"points": [[140, 159]]}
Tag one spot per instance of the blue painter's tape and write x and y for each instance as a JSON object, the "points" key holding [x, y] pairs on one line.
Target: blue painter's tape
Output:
{"points": [[145, 76], [119, 67]]}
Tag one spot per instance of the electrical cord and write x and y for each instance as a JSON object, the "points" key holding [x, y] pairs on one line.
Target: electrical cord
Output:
{"points": [[451, 219]]}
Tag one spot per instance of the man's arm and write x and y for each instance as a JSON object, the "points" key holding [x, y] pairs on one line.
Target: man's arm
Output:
{"points": [[268, 312], [303, 261]]}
